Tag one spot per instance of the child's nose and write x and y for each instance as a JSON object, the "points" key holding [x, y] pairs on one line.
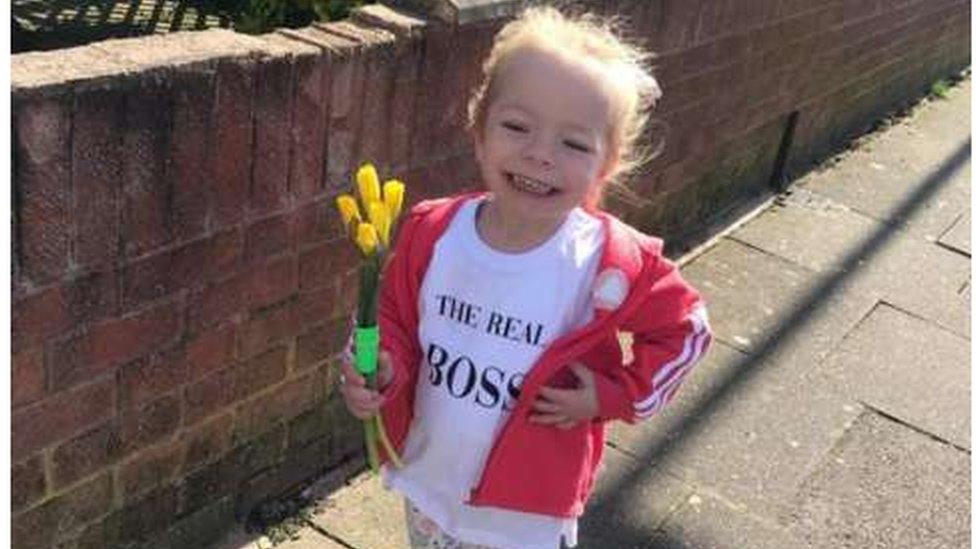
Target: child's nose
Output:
{"points": [[540, 152]]}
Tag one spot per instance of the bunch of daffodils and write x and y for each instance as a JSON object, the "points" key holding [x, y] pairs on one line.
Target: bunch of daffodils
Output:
{"points": [[372, 235]]}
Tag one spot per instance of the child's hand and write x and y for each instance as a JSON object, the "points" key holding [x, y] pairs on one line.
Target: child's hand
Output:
{"points": [[361, 401], [564, 408]]}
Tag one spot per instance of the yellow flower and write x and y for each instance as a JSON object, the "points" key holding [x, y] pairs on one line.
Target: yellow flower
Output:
{"points": [[380, 218], [348, 209], [366, 238], [393, 198], [369, 183]]}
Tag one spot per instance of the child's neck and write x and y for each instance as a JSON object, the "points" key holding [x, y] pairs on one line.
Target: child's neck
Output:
{"points": [[510, 233]]}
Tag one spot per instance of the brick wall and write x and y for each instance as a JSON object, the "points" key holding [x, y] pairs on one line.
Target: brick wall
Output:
{"points": [[180, 284]]}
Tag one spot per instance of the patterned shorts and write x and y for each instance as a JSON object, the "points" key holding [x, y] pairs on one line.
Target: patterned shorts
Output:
{"points": [[425, 534]]}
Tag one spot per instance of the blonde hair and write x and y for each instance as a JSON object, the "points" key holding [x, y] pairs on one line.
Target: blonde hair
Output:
{"points": [[584, 37]]}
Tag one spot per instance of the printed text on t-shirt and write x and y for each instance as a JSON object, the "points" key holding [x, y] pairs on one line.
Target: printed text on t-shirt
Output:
{"points": [[494, 323]]}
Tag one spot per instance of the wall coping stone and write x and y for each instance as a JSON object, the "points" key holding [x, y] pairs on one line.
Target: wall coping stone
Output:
{"points": [[461, 12], [51, 72], [403, 24]]}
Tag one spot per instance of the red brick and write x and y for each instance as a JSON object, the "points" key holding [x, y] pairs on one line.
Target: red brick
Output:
{"points": [[27, 484], [210, 350], [143, 518], [309, 119], [97, 156], [377, 99], [220, 302], [27, 377], [280, 405], [317, 306], [321, 265], [111, 343], [192, 149], [272, 118], [150, 469], [205, 397], [267, 328], [233, 146], [60, 416], [321, 343], [143, 425], [39, 317], [207, 442], [58, 519], [272, 282], [140, 381], [317, 222], [146, 221], [190, 265], [41, 140], [270, 236], [427, 79], [403, 108], [345, 121], [260, 372], [85, 454]]}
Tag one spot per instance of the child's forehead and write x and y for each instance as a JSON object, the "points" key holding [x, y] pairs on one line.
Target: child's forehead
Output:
{"points": [[541, 78]]}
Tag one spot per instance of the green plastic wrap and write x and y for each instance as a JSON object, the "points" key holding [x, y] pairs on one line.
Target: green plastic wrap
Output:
{"points": [[367, 349]]}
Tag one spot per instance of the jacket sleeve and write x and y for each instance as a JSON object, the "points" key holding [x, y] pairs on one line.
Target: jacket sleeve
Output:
{"points": [[670, 335], [397, 314]]}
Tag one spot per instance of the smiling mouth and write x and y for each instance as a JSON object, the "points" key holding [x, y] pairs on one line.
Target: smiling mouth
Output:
{"points": [[531, 186]]}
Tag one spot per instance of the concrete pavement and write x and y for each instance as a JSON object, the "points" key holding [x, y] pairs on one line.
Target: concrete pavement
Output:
{"points": [[834, 407]]}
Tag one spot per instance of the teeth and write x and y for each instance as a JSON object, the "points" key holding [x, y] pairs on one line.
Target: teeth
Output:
{"points": [[530, 185]]}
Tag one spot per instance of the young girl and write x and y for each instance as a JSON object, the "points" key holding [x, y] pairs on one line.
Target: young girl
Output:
{"points": [[500, 311]]}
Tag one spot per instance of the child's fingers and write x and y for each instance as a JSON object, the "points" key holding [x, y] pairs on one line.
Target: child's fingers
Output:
{"points": [[548, 419], [361, 402], [546, 406], [350, 376]]}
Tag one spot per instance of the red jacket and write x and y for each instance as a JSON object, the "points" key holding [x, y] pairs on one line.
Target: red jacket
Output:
{"points": [[539, 468]]}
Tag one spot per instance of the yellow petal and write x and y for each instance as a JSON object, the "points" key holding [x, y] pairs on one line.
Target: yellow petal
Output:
{"points": [[380, 218], [393, 191], [366, 238], [347, 208], [368, 182]]}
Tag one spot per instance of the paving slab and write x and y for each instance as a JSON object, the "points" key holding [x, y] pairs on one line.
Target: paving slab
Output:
{"points": [[879, 260], [630, 500], [888, 166], [908, 368], [752, 444], [887, 486], [706, 522], [958, 236], [758, 302], [810, 230], [364, 515]]}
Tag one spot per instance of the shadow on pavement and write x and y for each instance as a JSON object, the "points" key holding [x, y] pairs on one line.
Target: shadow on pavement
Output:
{"points": [[599, 510]]}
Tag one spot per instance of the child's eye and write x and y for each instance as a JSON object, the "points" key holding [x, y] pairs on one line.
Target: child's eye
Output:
{"points": [[576, 146], [515, 127]]}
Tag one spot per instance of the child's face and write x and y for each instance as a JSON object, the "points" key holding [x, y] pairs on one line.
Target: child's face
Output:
{"points": [[544, 144]]}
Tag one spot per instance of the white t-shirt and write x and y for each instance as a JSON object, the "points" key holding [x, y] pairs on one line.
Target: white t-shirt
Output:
{"points": [[485, 317]]}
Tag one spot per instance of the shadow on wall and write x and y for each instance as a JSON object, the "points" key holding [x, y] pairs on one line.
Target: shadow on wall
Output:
{"points": [[598, 518]]}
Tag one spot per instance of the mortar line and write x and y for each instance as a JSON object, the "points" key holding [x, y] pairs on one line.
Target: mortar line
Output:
{"points": [[952, 249], [928, 321], [774, 255], [323, 532], [915, 428]]}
